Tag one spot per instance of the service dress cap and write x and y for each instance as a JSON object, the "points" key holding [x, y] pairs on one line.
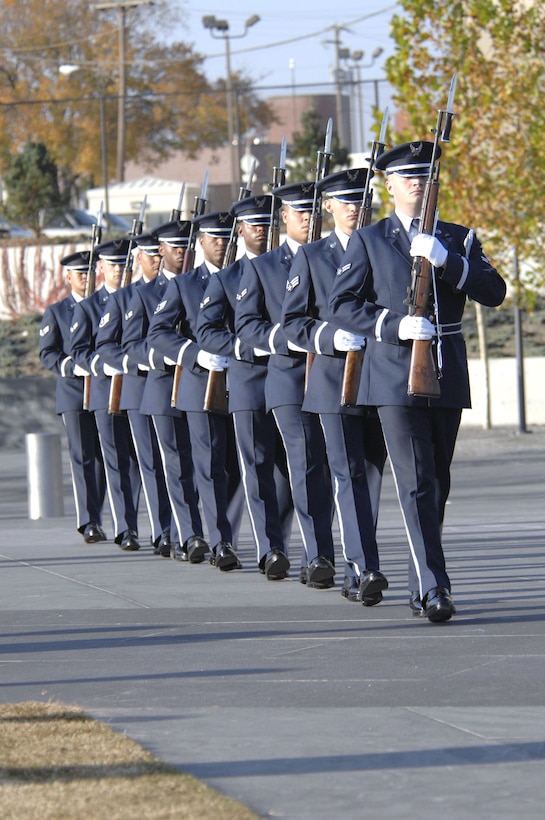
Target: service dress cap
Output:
{"points": [[346, 186], [146, 242], [255, 210], [217, 223], [115, 252], [411, 159], [78, 261], [175, 233], [298, 195]]}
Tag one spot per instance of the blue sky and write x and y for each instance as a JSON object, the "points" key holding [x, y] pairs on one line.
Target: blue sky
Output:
{"points": [[291, 50], [278, 66]]}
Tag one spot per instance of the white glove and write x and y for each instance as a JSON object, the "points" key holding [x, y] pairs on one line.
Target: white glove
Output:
{"points": [[211, 361], [259, 352], [111, 371], [143, 367], [296, 348], [79, 371], [345, 340], [430, 248], [169, 361], [415, 327]]}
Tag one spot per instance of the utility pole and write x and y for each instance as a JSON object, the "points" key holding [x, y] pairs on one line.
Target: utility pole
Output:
{"points": [[121, 6]]}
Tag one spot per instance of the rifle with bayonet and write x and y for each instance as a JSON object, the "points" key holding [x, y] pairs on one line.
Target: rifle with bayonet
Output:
{"points": [[215, 397], [323, 163], [425, 368], [90, 285], [177, 212], [354, 358], [278, 179], [188, 263], [116, 382]]}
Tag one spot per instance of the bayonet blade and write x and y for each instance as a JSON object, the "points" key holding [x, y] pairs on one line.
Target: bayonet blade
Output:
{"points": [[204, 186], [283, 151], [181, 198], [451, 94], [143, 209], [383, 127], [251, 173], [328, 135]]}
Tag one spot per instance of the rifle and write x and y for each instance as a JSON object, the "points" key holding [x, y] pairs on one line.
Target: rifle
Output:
{"points": [[90, 285], [315, 225], [189, 258], [354, 358], [425, 369], [278, 179], [177, 212], [116, 382], [215, 397]]}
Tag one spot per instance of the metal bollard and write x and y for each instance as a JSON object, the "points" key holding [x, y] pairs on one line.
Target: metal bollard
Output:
{"points": [[44, 475]]}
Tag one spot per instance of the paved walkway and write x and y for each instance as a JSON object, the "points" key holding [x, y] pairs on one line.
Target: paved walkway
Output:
{"points": [[292, 700]]}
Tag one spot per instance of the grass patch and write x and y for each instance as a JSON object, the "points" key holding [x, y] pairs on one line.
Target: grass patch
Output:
{"points": [[57, 763]]}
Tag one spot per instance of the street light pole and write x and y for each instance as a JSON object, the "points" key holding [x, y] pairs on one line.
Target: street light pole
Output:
{"points": [[122, 6], [222, 26]]}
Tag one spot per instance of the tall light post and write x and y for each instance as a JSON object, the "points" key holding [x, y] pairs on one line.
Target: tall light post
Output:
{"points": [[219, 29], [356, 57], [121, 6]]}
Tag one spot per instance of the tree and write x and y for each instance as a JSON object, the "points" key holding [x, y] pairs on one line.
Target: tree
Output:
{"points": [[307, 143], [31, 185], [493, 171], [170, 106]]}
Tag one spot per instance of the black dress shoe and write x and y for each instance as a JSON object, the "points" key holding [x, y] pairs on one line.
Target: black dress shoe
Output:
{"points": [[93, 533], [415, 603], [274, 565], [195, 548], [438, 605], [320, 573], [177, 553], [129, 541], [351, 589], [162, 545], [224, 557]]}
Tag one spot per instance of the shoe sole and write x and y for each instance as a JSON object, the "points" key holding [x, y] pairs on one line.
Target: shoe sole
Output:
{"points": [[228, 564], [439, 614], [371, 600], [373, 588], [320, 576], [278, 569]]}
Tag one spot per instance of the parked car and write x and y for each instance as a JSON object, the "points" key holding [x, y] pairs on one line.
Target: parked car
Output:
{"points": [[8, 230], [76, 222]]}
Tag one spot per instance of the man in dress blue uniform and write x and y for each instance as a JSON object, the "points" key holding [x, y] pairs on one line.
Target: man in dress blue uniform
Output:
{"points": [[121, 467], [108, 344], [257, 322], [368, 297], [86, 465], [172, 333], [355, 447], [170, 423], [260, 451]]}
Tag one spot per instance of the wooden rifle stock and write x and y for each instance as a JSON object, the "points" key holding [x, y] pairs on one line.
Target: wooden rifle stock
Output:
{"points": [[423, 372], [354, 358]]}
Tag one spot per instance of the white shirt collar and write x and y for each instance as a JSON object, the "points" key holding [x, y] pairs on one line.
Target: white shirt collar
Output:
{"points": [[342, 237]]}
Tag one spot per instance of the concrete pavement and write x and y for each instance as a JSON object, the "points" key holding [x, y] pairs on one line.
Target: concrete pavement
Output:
{"points": [[295, 701]]}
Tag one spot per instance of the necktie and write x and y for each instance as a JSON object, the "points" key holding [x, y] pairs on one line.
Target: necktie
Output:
{"points": [[413, 230]]}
